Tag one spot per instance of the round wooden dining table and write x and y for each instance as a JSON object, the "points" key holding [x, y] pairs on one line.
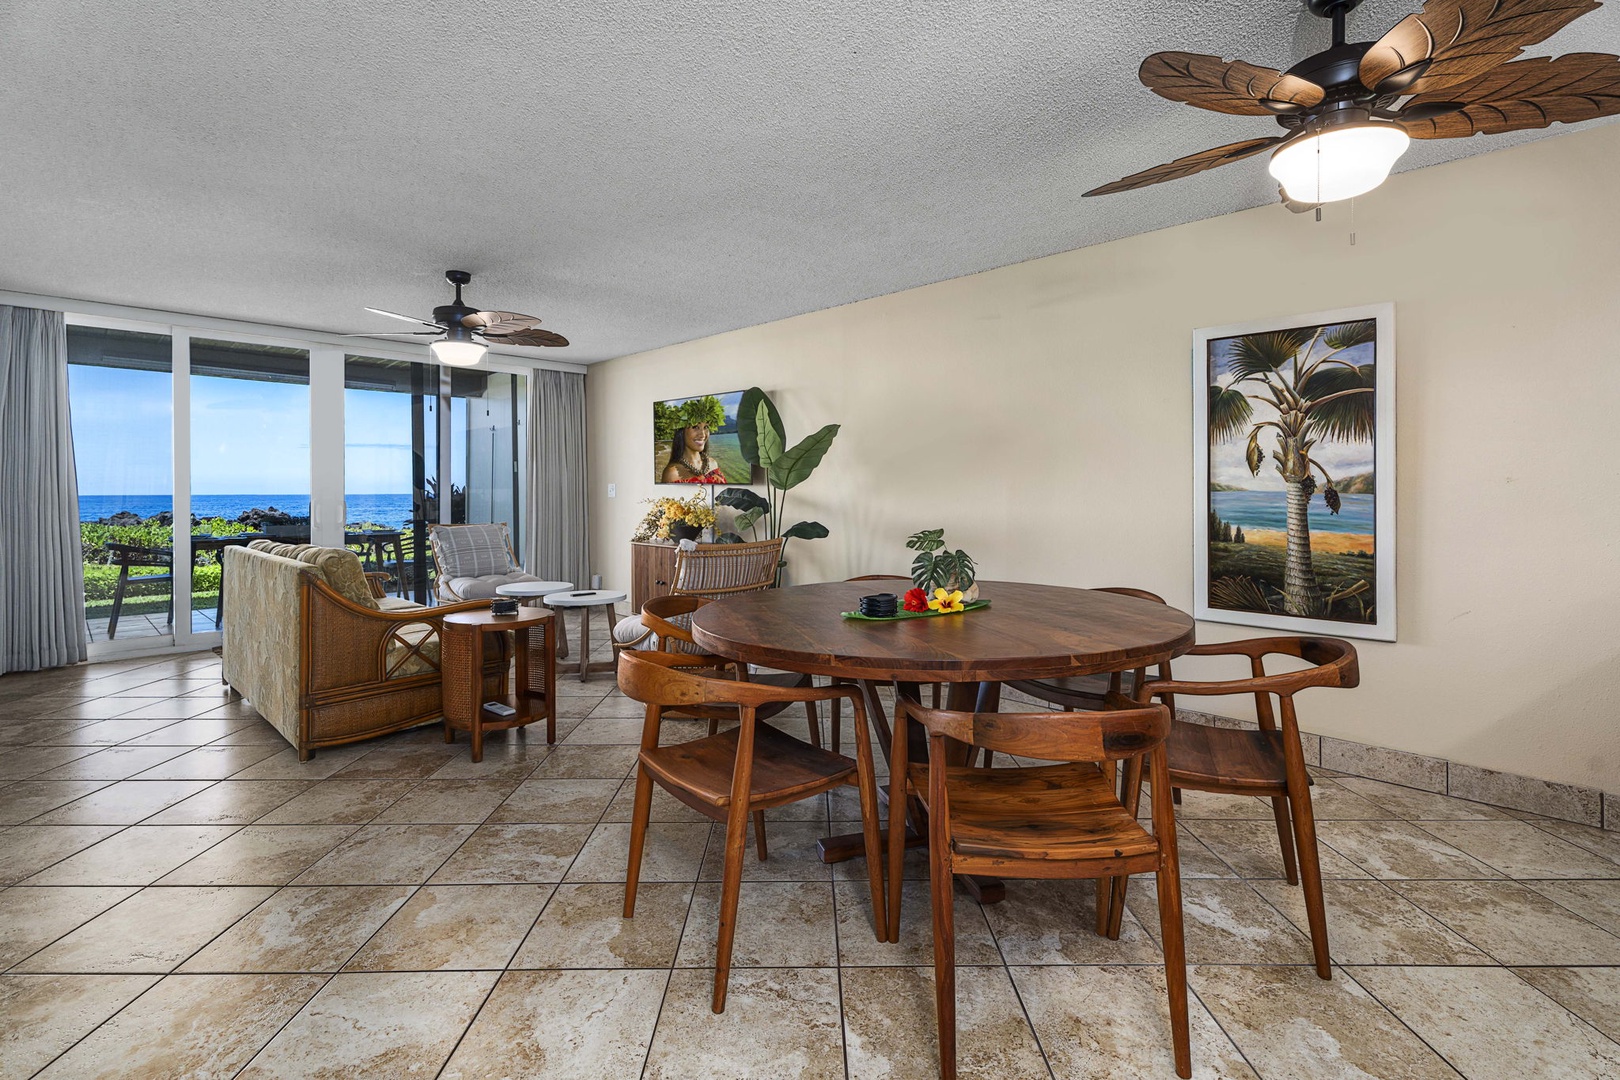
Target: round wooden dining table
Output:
{"points": [[1027, 632]]}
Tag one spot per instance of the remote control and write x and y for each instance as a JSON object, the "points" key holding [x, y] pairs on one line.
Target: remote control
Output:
{"points": [[500, 708]]}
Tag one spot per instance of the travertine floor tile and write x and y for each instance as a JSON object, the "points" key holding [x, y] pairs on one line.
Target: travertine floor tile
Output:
{"points": [[46, 1014], [779, 924], [562, 1024], [1604, 842], [554, 799], [1513, 923], [1289, 1023], [123, 803], [284, 765], [501, 854], [792, 851], [375, 1024], [1414, 804], [31, 919], [387, 855], [197, 1026], [1226, 922], [1520, 850], [1595, 901], [114, 763], [1251, 847], [510, 757], [230, 802], [583, 926], [1099, 1023], [674, 852], [260, 855], [135, 856], [152, 931], [1489, 1022], [665, 807], [1370, 923], [27, 849], [210, 762], [399, 762], [18, 763], [1591, 993], [588, 763], [1399, 850], [890, 1028], [779, 1022], [449, 801], [339, 802], [302, 930], [25, 799], [1046, 922], [454, 927]]}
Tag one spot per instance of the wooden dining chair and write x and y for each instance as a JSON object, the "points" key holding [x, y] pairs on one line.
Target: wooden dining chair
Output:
{"points": [[738, 774], [1268, 762], [1053, 821]]}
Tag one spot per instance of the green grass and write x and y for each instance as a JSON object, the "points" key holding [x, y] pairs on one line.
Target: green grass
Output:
{"points": [[1266, 564]]}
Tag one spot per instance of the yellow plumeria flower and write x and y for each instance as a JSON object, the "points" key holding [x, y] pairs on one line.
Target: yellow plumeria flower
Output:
{"points": [[946, 602]]}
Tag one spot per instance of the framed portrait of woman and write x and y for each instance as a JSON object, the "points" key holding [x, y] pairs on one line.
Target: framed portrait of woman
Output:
{"points": [[695, 441]]}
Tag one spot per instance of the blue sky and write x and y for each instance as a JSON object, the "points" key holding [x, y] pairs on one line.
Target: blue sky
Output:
{"points": [[247, 437]]}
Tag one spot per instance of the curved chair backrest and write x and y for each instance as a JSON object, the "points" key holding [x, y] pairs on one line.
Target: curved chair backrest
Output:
{"points": [[669, 680], [670, 618], [879, 577], [1140, 594], [1333, 663], [1122, 732], [717, 570]]}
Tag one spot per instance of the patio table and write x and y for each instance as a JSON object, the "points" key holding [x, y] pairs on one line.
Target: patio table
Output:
{"points": [[1028, 632]]}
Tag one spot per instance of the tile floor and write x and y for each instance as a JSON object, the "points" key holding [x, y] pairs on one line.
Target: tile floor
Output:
{"points": [[180, 897]]}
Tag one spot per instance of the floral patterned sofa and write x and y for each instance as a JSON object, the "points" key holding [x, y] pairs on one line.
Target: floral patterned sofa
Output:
{"points": [[322, 656]]}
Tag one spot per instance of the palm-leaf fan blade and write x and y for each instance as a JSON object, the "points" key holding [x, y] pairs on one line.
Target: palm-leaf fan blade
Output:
{"points": [[527, 337], [1340, 402], [1192, 163], [498, 322], [1518, 96], [1226, 86], [1452, 41]]}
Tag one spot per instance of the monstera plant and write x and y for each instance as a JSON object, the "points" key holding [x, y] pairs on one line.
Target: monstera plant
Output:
{"points": [[763, 441]]}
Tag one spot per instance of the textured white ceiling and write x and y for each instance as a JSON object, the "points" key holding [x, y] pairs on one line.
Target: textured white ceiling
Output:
{"points": [[637, 173]]}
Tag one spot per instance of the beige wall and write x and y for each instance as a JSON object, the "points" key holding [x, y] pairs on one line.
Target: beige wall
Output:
{"points": [[1041, 413]]}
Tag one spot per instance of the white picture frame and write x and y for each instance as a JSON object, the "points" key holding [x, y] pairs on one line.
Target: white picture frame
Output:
{"points": [[1368, 612]]}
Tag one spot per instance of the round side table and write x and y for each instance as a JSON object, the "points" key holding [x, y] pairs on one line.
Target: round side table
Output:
{"points": [[530, 593], [461, 665], [603, 598]]}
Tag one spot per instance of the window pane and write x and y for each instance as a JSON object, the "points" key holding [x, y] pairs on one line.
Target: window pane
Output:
{"points": [[250, 463], [391, 457], [120, 391], [487, 448]]}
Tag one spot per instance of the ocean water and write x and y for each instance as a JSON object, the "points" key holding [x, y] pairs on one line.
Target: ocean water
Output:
{"points": [[1269, 510], [381, 509]]}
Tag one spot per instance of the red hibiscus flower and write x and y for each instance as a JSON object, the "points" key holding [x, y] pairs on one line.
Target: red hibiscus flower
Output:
{"points": [[916, 600]]}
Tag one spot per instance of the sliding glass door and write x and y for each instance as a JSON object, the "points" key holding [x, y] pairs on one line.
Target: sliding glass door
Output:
{"points": [[391, 466], [489, 435], [121, 393]]}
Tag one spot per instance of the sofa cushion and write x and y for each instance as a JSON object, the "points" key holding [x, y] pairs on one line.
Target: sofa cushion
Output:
{"points": [[276, 547], [473, 551], [398, 603], [483, 588], [341, 570]]}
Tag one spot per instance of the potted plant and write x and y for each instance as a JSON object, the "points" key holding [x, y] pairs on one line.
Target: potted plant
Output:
{"points": [[937, 567], [763, 441], [675, 519]]}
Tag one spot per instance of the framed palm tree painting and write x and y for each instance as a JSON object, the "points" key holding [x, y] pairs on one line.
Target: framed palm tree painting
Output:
{"points": [[1294, 473]]}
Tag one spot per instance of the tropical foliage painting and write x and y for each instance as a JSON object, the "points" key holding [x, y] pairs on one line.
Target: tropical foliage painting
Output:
{"points": [[1291, 489]]}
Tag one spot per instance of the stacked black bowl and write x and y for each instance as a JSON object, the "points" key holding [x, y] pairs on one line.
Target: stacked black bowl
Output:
{"points": [[880, 606]]}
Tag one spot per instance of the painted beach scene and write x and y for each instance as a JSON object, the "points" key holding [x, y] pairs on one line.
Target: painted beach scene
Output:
{"points": [[1293, 473]]}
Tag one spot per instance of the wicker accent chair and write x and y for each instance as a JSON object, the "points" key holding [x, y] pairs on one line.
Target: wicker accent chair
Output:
{"points": [[471, 561], [712, 573], [321, 657]]}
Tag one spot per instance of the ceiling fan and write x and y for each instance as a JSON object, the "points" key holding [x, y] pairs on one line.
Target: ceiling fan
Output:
{"points": [[1447, 72], [468, 331]]}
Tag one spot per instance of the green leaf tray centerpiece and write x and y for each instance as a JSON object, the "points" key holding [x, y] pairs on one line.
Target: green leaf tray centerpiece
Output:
{"points": [[929, 614]]}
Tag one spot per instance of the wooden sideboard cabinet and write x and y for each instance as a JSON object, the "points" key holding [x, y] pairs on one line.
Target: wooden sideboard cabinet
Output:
{"points": [[652, 572]]}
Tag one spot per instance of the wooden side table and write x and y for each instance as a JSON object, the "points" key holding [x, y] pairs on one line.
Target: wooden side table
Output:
{"points": [[461, 666]]}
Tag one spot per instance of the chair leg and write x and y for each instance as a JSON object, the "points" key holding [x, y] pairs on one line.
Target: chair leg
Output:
{"points": [[730, 887], [118, 603], [759, 835], [941, 888], [714, 725], [1310, 874], [815, 723], [1285, 838], [837, 723], [871, 834], [639, 817], [1131, 782], [1172, 934]]}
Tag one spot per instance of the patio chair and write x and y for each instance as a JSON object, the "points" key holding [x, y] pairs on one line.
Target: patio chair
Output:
{"points": [[128, 556], [470, 562]]}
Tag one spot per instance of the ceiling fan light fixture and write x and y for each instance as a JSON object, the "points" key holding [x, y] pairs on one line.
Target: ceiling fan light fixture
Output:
{"points": [[1338, 160], [458, 348]]}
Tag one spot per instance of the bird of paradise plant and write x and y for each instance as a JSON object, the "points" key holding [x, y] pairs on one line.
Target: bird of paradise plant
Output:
{"points": [[1318, 394]]}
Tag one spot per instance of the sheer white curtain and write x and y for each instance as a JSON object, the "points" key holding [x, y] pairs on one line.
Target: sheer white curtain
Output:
{"points": [[41, 567], [558, 535]]}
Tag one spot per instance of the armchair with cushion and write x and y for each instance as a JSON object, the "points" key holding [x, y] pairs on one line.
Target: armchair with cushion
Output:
{"points": [[325, 660], [471, 561], [711, 572]]}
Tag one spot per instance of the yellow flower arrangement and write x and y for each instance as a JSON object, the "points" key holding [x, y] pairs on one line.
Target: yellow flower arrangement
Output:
{"points": [[667, 512], [946, 601]]}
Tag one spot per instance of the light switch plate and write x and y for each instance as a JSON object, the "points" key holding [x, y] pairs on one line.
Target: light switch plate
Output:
{"points": [[613, 491]]}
